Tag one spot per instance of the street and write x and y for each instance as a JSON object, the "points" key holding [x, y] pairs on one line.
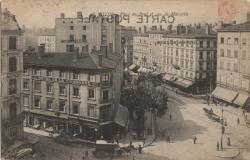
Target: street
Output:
{"points": [[189, 120]]}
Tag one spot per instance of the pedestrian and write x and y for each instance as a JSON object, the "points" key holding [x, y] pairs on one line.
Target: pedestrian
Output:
{"points": [[217, 146], [225, 124], [83, 158], [195, 138], [243, 112], [134, 135], [245, 117], [168, 138], [144, 140], [228, 141], [140, 149], [222, 129], [86, 154], [170, 116], [238, 121]]}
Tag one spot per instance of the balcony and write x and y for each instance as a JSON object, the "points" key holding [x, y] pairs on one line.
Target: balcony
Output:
{"points": [[13, 120], [106, 83], [74, 41]]}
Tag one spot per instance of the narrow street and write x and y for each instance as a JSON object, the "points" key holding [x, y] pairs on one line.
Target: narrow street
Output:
{"points": [[189, 120]]}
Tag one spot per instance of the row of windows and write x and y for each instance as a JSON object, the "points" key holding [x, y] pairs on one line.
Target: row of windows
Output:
{"points": [[50, 105], [73, 27], [234, 67], [234, 41], [235, 54], [76, 76]]}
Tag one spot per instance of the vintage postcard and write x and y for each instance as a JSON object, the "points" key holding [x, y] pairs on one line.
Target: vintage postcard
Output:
{"points": [[125, 79]]}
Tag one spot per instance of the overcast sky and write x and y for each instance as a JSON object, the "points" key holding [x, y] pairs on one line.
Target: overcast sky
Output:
{"points": [[42, 13]]}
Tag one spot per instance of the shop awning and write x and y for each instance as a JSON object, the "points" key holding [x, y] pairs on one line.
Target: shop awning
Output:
{"points": [[241, 99], [132, 66], [183, 83], [224, 94], [122, 115]]}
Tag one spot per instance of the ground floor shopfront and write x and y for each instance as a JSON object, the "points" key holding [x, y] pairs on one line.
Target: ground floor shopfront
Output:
{"points": [[232, 97], [70, 125]]}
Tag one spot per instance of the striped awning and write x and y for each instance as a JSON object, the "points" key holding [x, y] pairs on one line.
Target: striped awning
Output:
{"points": [[224, 94], [241, 99]]}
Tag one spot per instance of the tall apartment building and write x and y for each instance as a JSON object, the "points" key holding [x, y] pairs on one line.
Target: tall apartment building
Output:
{"points": [[72, 92], [233, 69], [187, 56], [11, 72], [47, 38], [127, 34], [87, 33]]}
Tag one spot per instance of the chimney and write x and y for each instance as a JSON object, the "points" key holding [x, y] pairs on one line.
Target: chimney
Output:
{"points": [[207, 29], [62, 15], [248, 16], [170, 27], [139, 29], [79, 14], [104, 50], [178, 29], [41, 50], [161, 28], [145, 29], [183, 29], [99, 60]]}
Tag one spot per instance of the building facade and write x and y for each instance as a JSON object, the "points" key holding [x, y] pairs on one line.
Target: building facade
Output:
{"points": [[87, 33], [233, 69], [75, 94], [187, 56], [47, 38], [11, 72]]}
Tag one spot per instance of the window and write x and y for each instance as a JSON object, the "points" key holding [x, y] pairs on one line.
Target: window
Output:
{"points": [[228, 40], [91, 110], [201, 44], [76, 91], [243, 56], [201, 55], [235, 67], [222, 52], [221, 65], [71, 27], [228, 53], [236, 41], [105, 96], [12, 64], [105, 78], [62, 90], [62, 74], [228, 66], [37, 86], [13, 131], [244, 41], [70, 48], [83, 27], [92, 78], [235, 54], [50, 88], [84, 37], [12, 110], [222, 40], [49, 105], [215, 44], [12, 86], [75, 108], [37, 102], [12, 42], [26, 84], [75, 75], [49, 73], [37, 72], [62, 106], [91, 93], [26, 71], [26, 100], [71, 37], [208, 44]]}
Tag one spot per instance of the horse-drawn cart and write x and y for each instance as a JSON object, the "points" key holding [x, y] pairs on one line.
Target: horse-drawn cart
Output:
{"points": [[103, 148]]}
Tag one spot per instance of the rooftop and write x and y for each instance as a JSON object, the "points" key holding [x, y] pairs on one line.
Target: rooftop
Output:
{"points": [[87, 61], [236, 27]]}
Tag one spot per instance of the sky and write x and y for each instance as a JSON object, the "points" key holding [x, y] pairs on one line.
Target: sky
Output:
{"points": [[42, 13]]}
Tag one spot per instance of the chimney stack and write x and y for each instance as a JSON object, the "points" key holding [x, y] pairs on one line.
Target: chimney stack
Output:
{"points": [[207, 29], [248, 16], [62, 15], [79, 14], [178, 29], [99, 60], [41, 50], [145, 29], [161, 28], [104, 50], [139, 29]]}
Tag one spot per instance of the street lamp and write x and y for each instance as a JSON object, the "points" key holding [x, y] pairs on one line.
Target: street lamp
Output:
{"points": [[222, 128], [96, 133]]}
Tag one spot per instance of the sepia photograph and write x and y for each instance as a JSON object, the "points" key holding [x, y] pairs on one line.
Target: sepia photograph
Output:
{"points": [[125, 79]]}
